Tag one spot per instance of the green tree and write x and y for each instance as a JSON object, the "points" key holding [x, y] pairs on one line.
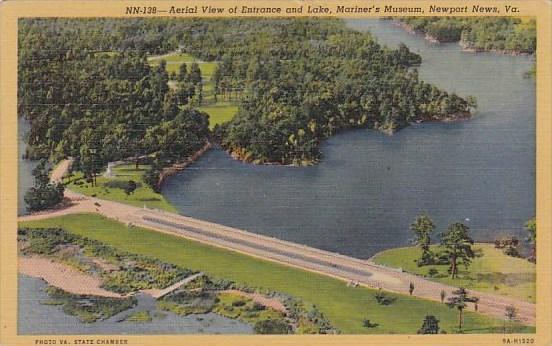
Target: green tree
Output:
{"points": [[531, 228], [90, 163], [460, 300], [130, 187], [422, 227], [430, 325], [457, 246], [44, 194], [40, 174], [195, 73], [182, 73]]}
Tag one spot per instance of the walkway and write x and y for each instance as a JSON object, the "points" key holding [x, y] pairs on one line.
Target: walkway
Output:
{"points": [[157, 294]]}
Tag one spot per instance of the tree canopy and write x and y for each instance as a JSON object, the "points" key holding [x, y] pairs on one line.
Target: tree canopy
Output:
{"points": [[43, 194], [457, 246], [88, 91], [480, 33], [98, 107]]}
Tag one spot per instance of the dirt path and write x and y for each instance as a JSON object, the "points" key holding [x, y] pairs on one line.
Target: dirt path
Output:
{"points": [[160, 293], [62, 276], [60, 170], [364, 272]]}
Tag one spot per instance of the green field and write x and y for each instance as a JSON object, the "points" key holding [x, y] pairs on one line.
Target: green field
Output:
{"points": [[174, 61], [220, 112], [112, 188], [344, 306], [492, 272]]}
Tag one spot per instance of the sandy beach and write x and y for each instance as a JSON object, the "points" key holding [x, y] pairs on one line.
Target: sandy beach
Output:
{"points": [[62, 276]]}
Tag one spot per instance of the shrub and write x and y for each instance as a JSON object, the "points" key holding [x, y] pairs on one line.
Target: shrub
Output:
{"points": [[238, 302], [369, 324], [258, 307], [272, 327], [511, 251], [430, 325], [432, 272], [89, 308], [384, 299]]}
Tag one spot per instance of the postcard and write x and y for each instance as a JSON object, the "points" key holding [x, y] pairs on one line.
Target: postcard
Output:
{"points": [[276, 172]]}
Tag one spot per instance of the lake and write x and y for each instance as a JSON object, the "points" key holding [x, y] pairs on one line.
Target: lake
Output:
{"points": [[368, 187]]}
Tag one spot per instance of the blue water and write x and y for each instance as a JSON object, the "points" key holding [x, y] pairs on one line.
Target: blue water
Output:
{"points": [[369, 186]]}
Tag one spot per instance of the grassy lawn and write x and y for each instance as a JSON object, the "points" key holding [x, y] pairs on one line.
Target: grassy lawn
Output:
{"points": [[176, 59], [112, 189], [220, 112], [492, 272], [344, 306]]}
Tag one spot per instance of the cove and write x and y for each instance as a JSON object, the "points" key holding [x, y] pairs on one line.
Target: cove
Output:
{"points": [[362, 196]]}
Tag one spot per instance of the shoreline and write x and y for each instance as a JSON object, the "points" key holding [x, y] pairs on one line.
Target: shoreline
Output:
{"points": [[166, 172], [239, 154], [464, 45]]}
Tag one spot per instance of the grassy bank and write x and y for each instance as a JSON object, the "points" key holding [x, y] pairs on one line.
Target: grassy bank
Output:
{"points": [[492, 271], [112, 188], [344, 306]]}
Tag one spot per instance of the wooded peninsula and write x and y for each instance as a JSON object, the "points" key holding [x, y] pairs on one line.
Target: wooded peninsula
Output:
{"points": [[88, 92]]}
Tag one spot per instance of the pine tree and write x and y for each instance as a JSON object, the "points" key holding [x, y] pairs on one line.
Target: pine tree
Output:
{"points": [[458, 246]]}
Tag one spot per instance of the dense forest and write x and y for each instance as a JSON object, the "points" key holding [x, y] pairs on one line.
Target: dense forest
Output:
{"points": [[512, 35], [87, 90], [82, 101], [303, 81]]}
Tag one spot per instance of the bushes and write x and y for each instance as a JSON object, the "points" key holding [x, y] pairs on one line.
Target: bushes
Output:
{"points": [[272, 327], [309, 319], [133, 272], [43, 242], [239, 303], [368, 324], [43, 195], [430, 325], [383, 299], [121, 184], [189, 302], [432, 272], [88, 308]]}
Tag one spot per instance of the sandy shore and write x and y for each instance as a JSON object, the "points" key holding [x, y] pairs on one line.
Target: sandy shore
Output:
{"points": [[62, 276]]}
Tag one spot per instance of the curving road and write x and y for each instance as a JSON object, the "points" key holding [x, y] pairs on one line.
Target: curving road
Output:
{"points": [[347, 268]]}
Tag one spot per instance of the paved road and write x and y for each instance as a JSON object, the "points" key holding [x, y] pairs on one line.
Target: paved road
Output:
{"points": [[365, 272]]}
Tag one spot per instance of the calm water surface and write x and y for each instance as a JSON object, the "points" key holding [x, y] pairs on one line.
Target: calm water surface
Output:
{"points": [[368, 188]]}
